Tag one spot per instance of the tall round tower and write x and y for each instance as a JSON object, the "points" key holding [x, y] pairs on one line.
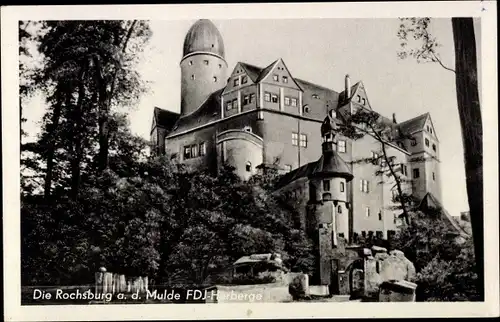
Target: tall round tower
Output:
{"points": [[203, 66]]}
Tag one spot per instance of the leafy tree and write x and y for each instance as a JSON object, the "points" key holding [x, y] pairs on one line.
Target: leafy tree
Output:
{"points": [[469, 110], [88, 68], [443, 261]]}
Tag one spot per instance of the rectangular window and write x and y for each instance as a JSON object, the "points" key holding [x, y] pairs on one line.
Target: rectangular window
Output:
{"points": [[379, 234], [433, 176], [294, 102], [364, 101], [367, 211], [194, 151], [285, 79], [295, 139], [267, 97], [252, 98], [274, 98], [326, 185], [236, 82], [235, 103], [434, 147], [229, 105], [244, 79], [246, 100], [359, 99], [404, 170], [303, 140], [426, 142], [416, 173], [187, 152], [341, 146], [342, 187], [287, 100], [276, 78], [364, 186], [203, 149], [363, 233], [380, 215]]}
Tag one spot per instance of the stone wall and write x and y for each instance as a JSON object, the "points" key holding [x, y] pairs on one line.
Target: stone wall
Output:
{"points": [[380, 267]]}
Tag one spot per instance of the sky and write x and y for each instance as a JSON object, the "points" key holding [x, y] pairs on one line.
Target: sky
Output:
{"points": [[321, 51]]}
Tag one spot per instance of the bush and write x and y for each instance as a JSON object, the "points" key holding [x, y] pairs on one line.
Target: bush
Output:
{"points": [[445, 266]]}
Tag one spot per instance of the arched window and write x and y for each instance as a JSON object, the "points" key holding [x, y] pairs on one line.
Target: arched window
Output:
{"points": [[339, 209], [249, 166]]}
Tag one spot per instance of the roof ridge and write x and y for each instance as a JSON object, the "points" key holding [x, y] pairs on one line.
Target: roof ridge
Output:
{"points": [[415, 118], [251, 65], [311, 83]]}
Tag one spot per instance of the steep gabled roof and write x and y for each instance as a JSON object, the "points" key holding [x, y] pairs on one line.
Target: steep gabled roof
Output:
{"points": [[430, 202], [342, 96], [301, 172], [252, 71], [208, 112], [305, 86], [266, 71], [415, 124], [164, 118]]}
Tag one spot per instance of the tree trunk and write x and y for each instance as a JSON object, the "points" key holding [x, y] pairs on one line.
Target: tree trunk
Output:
{"points": [[52, 142], [472, 133], [105, 98], [77, 135]]}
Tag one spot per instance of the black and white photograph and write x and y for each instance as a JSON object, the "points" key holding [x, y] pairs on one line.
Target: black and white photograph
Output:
{"points": [[250, 157]]}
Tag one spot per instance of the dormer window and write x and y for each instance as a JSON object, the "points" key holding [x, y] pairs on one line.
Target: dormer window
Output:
{"points": [[244, 79], [276, 78]]}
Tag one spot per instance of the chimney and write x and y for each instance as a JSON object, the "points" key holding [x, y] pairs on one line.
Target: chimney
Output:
{"points": [[394, 118], [347, 86]]}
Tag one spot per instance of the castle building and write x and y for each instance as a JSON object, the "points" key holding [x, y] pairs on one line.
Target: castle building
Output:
{"points": [[267, 117]]}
